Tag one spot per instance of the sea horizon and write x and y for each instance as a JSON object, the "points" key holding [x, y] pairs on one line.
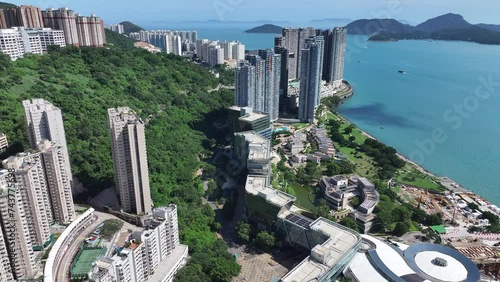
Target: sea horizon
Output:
{"points": [[415, 111]]}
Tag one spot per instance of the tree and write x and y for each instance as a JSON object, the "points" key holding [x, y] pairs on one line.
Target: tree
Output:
{"points": [[5, 62], [209, 171], [265, 240], [243, 231], [223, 270], [348, 130], [352, 138], [350, 223], [433, 219], [355, 202], [401, 228], [321, 209]]}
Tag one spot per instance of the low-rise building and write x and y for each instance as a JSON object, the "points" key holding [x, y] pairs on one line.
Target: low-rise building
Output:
{"points": [[330, 245], [339, 190], [18, 41]]}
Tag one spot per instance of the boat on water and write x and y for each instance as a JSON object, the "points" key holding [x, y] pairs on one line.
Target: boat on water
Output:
{"points": [[401, 71]]}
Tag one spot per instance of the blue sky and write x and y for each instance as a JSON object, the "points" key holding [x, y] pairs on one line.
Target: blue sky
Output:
{"points": [[295, 11]]}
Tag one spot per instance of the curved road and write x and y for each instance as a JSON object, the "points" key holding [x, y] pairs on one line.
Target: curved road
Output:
{"points": [[64, 265]]}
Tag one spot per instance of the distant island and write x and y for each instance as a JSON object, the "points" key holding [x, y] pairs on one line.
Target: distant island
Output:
{"points": [[446, 27], [267, 28], [129, 27]]}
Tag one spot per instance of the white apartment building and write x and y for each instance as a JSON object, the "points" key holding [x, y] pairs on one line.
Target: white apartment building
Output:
{"points": [[228, 49], [58, 181], [215, 55], [117, 28], [30, 180], [11, 43], [16, 230], [49, 37], [128, 147], [44, 122], [238, 51], [152, 255], [18, 41], [4, 144]]}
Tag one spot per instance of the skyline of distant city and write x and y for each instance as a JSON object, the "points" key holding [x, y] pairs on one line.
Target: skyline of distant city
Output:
{"points": [[408, 11]]}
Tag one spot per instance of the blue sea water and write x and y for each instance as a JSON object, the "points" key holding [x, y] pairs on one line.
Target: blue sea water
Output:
{"points": [[443, 112], [432, 113]]}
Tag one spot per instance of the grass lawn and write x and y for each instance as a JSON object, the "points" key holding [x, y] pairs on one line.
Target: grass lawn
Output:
{"points": [[412, 177], [299, 126]]}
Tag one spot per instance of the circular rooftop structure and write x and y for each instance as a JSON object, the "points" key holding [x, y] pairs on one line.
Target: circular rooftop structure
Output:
{"points": [[440, 263], [381, 261]]}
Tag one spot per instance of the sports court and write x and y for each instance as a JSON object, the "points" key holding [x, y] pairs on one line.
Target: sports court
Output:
{"points": [[84, 259]]}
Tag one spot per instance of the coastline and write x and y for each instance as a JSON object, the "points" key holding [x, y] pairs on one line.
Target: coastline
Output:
{"points": [[450, 184]]}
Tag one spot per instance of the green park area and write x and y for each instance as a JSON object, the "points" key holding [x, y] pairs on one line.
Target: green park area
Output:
{"points": [[365, 165], [410, 176]]}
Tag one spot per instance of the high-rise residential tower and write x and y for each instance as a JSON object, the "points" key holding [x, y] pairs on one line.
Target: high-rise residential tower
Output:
{"points": [[333, 63], [128, 146], [271, 82], [58, 181], [245, 84], [30, 181], [5, 266], [22, 16], [15, 227], [44, 122], [258, 83], [310, 82], [63, 19], [90, 31]]}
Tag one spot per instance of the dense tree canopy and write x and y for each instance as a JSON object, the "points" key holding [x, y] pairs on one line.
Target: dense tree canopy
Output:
{"points": [[167, 91]]}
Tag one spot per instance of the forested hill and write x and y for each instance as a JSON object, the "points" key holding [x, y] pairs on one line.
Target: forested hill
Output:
{"points": [[170, 90]]}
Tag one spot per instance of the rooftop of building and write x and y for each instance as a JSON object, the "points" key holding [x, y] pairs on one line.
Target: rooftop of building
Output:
{"points": [[256, 185], [341, 241], [259, 147], [168, 265], [247, 114], [411, 263]]}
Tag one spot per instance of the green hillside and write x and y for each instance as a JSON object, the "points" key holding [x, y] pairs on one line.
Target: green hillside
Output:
{"points": [[129, 27], [170, 90], [5, 5], [118, 40]]}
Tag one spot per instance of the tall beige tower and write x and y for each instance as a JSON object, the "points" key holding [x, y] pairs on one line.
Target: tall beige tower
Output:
{"points": [[128, 145], [30, 182], [62, 19], [44, 122], [16, 230], [58, 181]]}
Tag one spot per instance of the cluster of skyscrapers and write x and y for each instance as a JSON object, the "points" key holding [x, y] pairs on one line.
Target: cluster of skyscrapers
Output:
{"points": [[217, 52], [258, 82], [36, 186], [168, 41], [35, 192], [304, 55], [27, 29], [119, 28]]}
